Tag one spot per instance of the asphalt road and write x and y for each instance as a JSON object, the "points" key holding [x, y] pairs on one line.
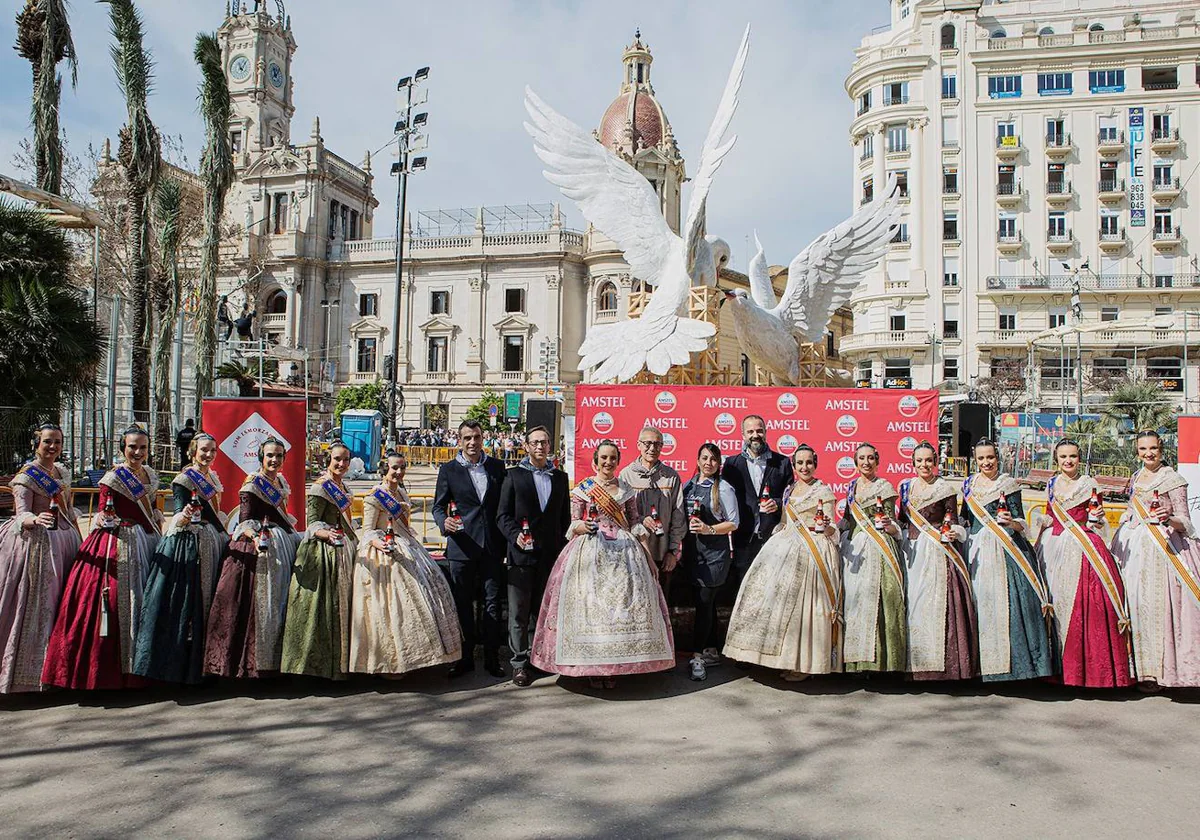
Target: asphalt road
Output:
{"points": [[742, 755]]}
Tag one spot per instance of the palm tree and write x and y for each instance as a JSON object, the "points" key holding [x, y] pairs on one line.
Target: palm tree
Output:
{"points": [[50, 348], [247, 374], [140, 155], [168, 208], [1143, 403], [44, 39], [216, 170]]}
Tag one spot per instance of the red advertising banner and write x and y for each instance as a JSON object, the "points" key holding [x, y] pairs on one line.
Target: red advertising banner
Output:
{"points": [[240, 424], [833, 421], [1189, 456]]}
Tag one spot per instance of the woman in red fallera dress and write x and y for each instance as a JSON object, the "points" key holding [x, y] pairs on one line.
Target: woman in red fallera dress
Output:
{"points": [[92, 644]]}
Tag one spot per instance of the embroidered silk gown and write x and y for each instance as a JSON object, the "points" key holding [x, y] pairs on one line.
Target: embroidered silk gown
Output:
{"points": [[1164, 598], [245, 623], [603, 613], [1088, 604], [942, 642], [179, 586], [788, 611], [402, 614], [92, 644], [1010, 592], [873, 582], [33, 568], [316, 637]]}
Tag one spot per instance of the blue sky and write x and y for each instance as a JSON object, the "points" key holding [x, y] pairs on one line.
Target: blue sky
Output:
{"points": [[789, 175]]}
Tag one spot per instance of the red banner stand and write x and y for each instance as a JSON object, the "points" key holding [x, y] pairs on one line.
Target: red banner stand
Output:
{"points": [[833, 421], [240, 424]]}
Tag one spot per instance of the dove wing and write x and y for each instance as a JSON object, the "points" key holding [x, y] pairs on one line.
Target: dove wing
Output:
{"points": [[761, 290], [824, 275], [611, 194]]}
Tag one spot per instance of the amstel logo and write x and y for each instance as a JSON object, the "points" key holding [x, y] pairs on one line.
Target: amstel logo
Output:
{"points": [[909, 405], [603, 423], [787, 403], [907, 446], [847, 425], [787, 445], [725, 423], [668, 444], [665, 402], [845, 466]]}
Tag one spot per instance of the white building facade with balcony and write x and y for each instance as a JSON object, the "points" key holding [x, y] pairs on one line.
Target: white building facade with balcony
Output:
{"points": [[1040, 144]]}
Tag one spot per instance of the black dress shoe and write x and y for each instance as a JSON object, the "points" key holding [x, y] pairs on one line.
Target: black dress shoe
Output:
{"points": [[493, 667], [522, 677], [461, 667]]}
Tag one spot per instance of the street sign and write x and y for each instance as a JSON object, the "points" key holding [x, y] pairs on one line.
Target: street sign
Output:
{"points": [[493, 410], [512, 406]]}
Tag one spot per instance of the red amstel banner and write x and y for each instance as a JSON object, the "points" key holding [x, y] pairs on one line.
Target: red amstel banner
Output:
{"points": [[833, 421], [1188, 464], [240, 424]]}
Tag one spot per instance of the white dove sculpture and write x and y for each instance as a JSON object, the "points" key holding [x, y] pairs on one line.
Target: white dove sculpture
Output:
{"points": [[620, 203], [819, 280]]}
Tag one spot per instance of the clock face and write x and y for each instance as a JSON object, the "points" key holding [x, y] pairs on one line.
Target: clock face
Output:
{"points": [[275, 73], [239, 68]]}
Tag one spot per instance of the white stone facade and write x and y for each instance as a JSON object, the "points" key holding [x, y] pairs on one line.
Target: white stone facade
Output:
{"points": [[1016, 128]]}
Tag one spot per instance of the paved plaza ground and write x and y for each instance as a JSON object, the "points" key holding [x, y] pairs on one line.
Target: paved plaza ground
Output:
{"points": [[662, 757]]}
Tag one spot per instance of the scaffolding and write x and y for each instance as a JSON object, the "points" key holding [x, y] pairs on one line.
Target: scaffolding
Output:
{"points": [[705, 367], [502, 218]]}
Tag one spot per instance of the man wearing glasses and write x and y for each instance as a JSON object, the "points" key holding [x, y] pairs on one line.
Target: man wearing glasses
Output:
{"points": [[534, 513], [659, 491]]}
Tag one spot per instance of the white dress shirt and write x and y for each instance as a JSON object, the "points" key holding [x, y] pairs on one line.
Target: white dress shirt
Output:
{"points": [[477, 473]]}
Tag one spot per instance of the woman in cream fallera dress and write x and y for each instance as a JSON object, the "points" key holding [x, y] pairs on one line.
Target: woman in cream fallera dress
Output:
{"points": [[402, 612], [788, 610]]}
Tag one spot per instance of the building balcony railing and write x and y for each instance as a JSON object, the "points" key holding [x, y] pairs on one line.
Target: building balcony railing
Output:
{"points": [[1112, 240], [433, 377], [1111, 189], [1110, 142], [514, 377], [274, 319], [606, 316], [1059, 240], [1009, 193], [1058, 145], [1167, 235], [1164, 139], [1107, 36], [360, 377], [1009, 241], [1165, 189], [901, 99], [1059, 193], [898, 148], [1168, 85], [1090, 283], [1008, 146], [1088, 338], [883, 339]]}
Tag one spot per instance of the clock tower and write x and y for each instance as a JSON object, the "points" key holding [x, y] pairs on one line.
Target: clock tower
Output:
{"points": [[257, 50]]}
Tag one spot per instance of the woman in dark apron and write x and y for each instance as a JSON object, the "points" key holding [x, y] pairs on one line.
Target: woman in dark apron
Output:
{"points": [[711, 508]]}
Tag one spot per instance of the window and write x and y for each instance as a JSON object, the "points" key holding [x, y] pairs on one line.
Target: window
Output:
{"points": [[949, 320], [998, 32], [235, 141], [902, 183], [1058, 374], [366, 355], [949, 37], [1108, 176], [1005, 130], [1164, 310], [1006, 180], [1164, 272], [279, 213], [1109, 313], [949, 86], [1058, 317], [1165, 367], [1054, 84], [1004, 87], [897, 369], [1110, 223], [1109, 132], [277, 303], [950, 271], [950, 369], [1056, 182], [950, 180], [864, 370], [514, 353], [439, 303], [1162, 174], [1161, 126], [904, 9], [1163, 226], [1008, 226], [334, 216], [1056, 132], [1096, 27], [897, 321], [897, 138], [1046, 30], [868, 147], [864, 102], [606, 300], [1106, 81], [436, 354], [1007, 367], [1105, 370], [1056, 225], [895, 93], [368, 305], [950, 226], [1008, 319], [868, 190], [949, 132], [514, 300], [353, 231]]}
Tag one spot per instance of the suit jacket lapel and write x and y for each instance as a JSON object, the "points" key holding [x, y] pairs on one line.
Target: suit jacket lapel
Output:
{"points": [[470, 483]]}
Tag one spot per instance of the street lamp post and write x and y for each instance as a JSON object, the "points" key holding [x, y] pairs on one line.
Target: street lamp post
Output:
{"points": [[408, 134], [328, 306]]}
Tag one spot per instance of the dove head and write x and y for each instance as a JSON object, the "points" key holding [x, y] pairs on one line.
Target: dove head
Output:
{"points": [[736, 296], [720, 251]]}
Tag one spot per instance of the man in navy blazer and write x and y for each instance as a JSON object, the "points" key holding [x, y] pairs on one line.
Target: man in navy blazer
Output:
{"points": [[752, 469], [474, 545]]}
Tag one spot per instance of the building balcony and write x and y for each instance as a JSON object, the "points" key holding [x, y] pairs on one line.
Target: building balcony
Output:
{"points": [[433, 377], [514, 377], [1107, 36], [1008, 147], [1009, 242], [1059, 241], [1111, 190], [363, 377], [606, 316], [895, 100], [883, 340], [1063, 39], [1062, 283], [1058, 146], [1163, 141], [1112, 241], [1166, 238], [1004, 338], [1059, 193], [273, 320], [1110, 142], [1009, 194], [1165, 190]]}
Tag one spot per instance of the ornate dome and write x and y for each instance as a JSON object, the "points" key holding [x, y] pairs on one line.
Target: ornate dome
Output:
{"points": [[635, 120]]}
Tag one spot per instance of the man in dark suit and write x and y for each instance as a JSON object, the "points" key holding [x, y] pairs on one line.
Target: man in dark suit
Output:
{"points": [[538, 495], [756, 467], [474, 545]]}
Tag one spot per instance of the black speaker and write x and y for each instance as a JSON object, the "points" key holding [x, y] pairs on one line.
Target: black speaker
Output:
{"points": [[546, 413], [972, 421]]}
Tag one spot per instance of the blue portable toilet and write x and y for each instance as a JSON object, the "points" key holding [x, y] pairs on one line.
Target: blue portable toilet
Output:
{"points": [[362, 431]]}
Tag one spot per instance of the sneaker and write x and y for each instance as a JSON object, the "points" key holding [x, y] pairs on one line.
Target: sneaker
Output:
{"points": [[711, 657], [699, 672]]}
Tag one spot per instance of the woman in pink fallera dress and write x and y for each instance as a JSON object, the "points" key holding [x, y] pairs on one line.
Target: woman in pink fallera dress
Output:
{"points": [[603, 614]]}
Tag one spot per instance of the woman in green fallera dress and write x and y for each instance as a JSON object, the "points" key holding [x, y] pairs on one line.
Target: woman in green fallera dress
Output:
{"points": [[316, 638]]}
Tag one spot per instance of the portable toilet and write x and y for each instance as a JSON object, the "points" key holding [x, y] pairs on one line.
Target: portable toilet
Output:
{"points": [[362, 431]]}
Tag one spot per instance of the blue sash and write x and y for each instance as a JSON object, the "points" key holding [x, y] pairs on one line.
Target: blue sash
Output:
{"points": [[268, 490], [966, 486], [904, 488], [335, 493], [126, 477], [389, 502], [850, 488], [202, 484], [43, 479]]}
